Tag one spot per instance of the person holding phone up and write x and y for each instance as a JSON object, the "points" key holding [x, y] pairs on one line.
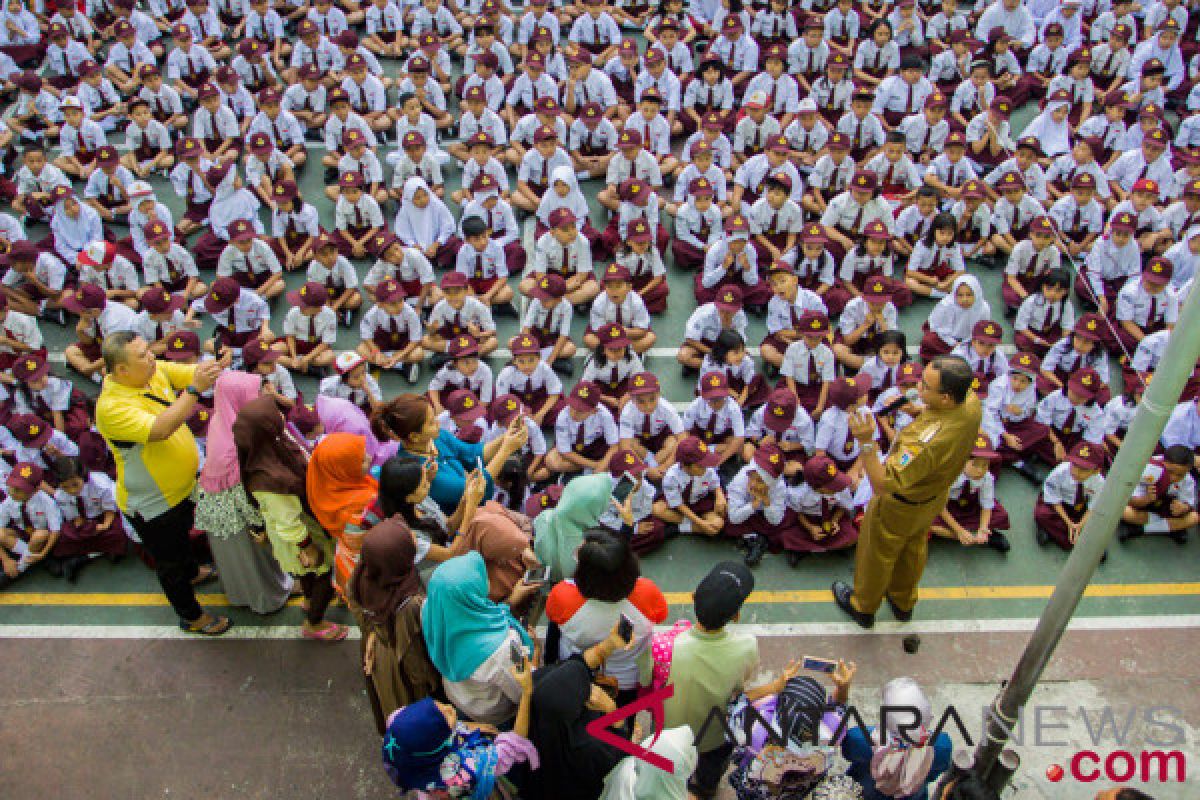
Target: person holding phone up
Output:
{"points": [[909, 488]]}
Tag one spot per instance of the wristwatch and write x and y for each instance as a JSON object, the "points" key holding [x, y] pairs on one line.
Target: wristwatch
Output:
{"points": [[194, 392]]}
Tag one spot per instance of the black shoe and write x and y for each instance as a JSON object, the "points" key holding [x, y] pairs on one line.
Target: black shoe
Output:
{"points": [[1179, 537], [841, 596], [794, 557], [72, 568], [999, 542], [756, 310], [1028, 472], [756, 548], [902, 616], [55, 566], [1125, 532], [564, 367], [1043, 538]]}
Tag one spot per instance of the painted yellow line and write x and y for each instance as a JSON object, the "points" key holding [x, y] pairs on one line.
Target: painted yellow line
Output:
{"points": [[674, 598], [975, 593]]}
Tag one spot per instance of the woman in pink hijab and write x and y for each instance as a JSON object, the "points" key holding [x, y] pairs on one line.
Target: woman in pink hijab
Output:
{"points": [[249, 573]]}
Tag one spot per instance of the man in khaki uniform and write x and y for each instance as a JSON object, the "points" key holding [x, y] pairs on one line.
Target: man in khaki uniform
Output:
{"points": [[909, 490]]}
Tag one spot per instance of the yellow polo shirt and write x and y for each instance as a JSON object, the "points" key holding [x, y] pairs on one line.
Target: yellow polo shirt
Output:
{"points": [[152, 477]]}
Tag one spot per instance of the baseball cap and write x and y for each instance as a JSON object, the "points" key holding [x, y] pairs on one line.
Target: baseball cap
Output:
{"points": [[310, 295], [584, 397], [462, 346], [714, 385], [160, 301], [25, 477], [644, 383], [256, 352], [223, 293], [1085, 383], [464, 404], [347, 361], [1085, 455], [86, 297], [821, 473], [729, 298], [182, 345], [780, 410], [720, 594], [693, 452]]}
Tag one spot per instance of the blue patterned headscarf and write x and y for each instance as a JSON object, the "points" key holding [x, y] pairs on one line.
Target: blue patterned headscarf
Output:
{"points": [[422, 752]]}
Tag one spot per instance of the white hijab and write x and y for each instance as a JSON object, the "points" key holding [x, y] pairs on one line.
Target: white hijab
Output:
{"points": [[421, 227], [950, 320], [898, 767], [633, 779], [574, 201], [230, 203], [1055, 137]]}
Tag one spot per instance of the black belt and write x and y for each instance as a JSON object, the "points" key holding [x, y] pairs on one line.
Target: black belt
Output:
{"points": [[908, 501]]}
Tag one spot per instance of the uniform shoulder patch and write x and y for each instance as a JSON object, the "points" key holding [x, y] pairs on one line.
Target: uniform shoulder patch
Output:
{"points": [[906, 456]]}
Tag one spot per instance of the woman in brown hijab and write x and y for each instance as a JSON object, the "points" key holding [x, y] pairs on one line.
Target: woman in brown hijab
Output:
{"points": [[385, 594], [273, 462]]}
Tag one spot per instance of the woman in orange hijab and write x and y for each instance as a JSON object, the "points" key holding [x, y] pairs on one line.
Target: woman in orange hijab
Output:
{"points": [[339, 490]]}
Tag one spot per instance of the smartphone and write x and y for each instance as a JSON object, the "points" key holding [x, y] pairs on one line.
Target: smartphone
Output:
{"points": [[814, 664], [625, 629], [537, 575], [479, 464], [517, 651], [623, 487]]}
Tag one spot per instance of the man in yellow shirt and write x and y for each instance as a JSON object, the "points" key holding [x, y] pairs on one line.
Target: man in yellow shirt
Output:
{"points": [[141, 413]]}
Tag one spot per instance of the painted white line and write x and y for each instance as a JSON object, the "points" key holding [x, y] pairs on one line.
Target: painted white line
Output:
{"points": [[952, 626]]}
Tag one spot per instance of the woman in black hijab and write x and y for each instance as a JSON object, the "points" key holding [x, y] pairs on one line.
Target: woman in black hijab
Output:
{"points": [[574, 763]]}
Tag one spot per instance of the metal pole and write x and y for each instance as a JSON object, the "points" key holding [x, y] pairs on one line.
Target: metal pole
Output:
{"points": [[1160, 399]]}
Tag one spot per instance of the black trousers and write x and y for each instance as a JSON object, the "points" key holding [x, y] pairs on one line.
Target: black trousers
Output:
{"points": [[166, 538], [710, 768]]}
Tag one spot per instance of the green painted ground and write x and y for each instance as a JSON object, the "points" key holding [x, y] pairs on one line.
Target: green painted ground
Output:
{"points": [[683, 561]]}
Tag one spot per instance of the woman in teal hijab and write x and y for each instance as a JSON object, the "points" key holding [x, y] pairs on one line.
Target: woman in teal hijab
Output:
{"points": [[463, 628], [558, 531]]}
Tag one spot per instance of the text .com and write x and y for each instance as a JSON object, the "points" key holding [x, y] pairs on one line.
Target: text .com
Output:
{"points": [[1122, 766]]}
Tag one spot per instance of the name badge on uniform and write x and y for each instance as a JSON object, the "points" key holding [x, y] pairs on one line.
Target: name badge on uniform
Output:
{"points": [[927, 435], [907, 454]]}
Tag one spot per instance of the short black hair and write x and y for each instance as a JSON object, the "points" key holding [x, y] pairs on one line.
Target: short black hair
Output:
{"points": [[474, 226], [607, 568], [1179, 454], [896, 137], [68, 468], [956, 376], [1129, 793], [1057, 277]]}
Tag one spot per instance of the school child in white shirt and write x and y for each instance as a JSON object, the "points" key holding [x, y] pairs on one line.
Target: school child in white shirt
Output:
{"points": [[973, 514], [531, 380], [692, 498], [391, 331], [585, 433], [352, 382]]}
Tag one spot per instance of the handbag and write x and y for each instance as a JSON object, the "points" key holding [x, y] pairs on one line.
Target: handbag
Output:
{"points": [[785, 773]]}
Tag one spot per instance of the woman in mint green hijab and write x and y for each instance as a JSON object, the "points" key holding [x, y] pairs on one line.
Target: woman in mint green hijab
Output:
{"points": [[468, 638], [558, 531], [633, 779]]}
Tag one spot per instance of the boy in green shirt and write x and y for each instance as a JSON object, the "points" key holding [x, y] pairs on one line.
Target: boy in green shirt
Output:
{"points": [[710, 665]]}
